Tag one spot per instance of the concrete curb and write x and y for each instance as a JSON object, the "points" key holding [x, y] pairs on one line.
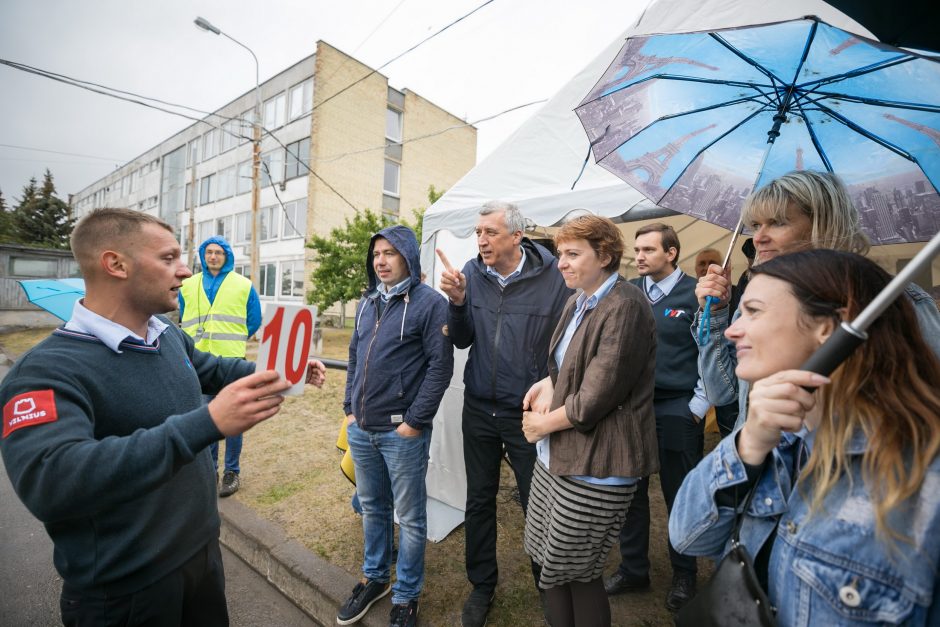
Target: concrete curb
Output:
{"points": [[310, 582]]}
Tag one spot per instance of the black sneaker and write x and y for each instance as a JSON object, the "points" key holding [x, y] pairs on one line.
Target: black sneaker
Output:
{"points": [[363, 596], [682, 590], [230, 483], [405, 615], [476, 607]]}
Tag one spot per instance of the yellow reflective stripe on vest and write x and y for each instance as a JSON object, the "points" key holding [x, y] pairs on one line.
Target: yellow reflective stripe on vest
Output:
{"points": [[221, 327]]}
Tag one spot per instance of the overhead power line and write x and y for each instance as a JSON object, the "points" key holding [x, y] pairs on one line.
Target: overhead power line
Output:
{"points": [[59, 152]]}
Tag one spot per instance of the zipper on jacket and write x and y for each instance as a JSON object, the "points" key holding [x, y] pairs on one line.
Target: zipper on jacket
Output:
{"points": [[499, 327], [365, 368]]}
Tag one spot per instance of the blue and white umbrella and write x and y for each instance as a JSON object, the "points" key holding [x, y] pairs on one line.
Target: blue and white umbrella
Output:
{"points": [[57, 296], [696, 121]]}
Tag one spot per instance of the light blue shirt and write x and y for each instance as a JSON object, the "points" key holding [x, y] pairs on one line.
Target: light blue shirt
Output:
{"points": [[699, 404], [109, 332], [582, 305], [503, 280], [387, 292]]}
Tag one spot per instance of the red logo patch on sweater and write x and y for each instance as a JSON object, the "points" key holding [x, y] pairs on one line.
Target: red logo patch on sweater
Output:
{"points": [[28, 409]]}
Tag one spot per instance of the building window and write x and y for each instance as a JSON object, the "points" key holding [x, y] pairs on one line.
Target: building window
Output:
{"points": [[243, 183], [393, 120], [184, 237], [295, 219], [226, 183], [298, 158], [268, 226], [207, 189], [268, 276], [272, 169], [32, 267], [247, 126], [243, 227], [192, 153], [210, 144], [152, 202], [391, 206], [390, 181], [244, 270], [301, 99], [231, 133], [204, 230], [292, 278], [275, 112], [223, 227]]}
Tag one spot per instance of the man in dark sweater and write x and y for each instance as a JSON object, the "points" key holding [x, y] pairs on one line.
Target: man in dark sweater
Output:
{"points": [[105, 435], [680, 405], [504, 306]]}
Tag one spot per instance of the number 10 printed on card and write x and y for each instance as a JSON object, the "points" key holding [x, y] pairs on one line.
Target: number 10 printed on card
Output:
{"points": [[286, 334]]}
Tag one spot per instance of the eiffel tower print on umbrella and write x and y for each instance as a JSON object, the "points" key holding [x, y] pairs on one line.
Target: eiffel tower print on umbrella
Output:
{"points": [[696, 121]]}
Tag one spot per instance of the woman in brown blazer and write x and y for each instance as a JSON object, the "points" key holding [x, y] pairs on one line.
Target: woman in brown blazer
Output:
{"points": [[592, 421]]}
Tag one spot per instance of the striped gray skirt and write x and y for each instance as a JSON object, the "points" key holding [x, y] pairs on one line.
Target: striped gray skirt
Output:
{"points": [[571, 525]]}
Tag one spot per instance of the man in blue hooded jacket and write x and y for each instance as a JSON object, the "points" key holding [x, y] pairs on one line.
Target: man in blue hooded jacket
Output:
{"points": [[220, 310], [400, 364]]}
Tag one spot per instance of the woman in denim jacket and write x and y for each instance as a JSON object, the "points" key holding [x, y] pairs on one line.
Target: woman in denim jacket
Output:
{"points": [[799, 210], [845, 517]]}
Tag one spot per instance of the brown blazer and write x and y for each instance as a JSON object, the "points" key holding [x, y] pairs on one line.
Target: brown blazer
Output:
{"points": [[606, 386]]}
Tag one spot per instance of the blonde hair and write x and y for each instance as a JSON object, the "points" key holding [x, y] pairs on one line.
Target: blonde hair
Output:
{"points": [[822, 197]]}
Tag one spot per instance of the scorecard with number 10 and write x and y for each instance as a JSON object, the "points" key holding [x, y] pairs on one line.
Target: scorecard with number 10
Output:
{"points": [[286, 335]]}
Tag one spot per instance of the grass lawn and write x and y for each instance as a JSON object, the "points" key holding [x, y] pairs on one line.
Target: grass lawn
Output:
{"points": [[290, 475]]}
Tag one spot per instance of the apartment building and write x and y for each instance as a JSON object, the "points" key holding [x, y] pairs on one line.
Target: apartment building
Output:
{"points": [[336, 138]]}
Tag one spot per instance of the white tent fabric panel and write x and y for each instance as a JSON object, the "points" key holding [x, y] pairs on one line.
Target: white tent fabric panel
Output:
{"points": [[536, 168]]}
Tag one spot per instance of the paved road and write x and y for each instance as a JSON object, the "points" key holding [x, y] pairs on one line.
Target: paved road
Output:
{"points": [[29, 585]]}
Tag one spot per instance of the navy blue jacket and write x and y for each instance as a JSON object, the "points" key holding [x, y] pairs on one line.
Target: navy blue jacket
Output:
{"points": [[400, 358], [508, 330]]}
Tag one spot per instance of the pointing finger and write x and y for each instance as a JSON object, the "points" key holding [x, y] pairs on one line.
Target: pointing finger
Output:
{"points": [[444, 260]]}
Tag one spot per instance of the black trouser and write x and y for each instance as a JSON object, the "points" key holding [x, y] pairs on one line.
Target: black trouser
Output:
{"points": [[193, 595], [681, 441], [726, 416], [483, 439]]}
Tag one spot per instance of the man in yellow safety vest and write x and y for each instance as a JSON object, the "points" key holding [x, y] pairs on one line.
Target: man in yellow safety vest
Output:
{"points": [[220, 309]]}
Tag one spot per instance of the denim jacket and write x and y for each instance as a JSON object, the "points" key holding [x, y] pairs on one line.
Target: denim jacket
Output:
{"points": [[717, 358], [827, 568]]}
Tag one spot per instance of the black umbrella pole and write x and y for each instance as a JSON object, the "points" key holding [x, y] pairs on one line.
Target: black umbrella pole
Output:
{"points": [[851, 334]]}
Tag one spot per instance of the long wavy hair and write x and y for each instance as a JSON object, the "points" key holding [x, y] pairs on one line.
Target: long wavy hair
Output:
{"points": [[889, 388]]}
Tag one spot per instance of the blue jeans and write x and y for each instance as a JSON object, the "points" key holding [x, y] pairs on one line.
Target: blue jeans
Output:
{"points": [[391, 469], [233, 450]]}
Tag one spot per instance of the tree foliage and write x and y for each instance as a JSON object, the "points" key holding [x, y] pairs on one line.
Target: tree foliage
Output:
{"points": [[6, 221], [41, 218], [340, 275]]}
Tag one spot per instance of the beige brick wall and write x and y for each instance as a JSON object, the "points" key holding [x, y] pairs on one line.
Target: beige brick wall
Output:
{"points": [[348, 140], [432, 157]]}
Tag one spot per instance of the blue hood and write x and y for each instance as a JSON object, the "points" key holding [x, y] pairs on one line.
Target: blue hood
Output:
{"points": [[405, 242], [229, 255]]}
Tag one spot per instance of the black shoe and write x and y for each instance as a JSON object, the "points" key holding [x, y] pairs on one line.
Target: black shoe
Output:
{"points": [[230, 483], [405, 615], [683, 589], [363, 596], [476, 607], [619, 583]]}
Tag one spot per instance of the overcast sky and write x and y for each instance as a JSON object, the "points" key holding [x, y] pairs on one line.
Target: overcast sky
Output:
{"points": [[508, 53]]}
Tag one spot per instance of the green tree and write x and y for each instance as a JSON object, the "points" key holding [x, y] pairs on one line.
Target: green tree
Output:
{"points": [[42, 218], [340, 275], [6, 221]]}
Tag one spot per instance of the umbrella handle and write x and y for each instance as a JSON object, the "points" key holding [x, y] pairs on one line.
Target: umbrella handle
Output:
{"points": [[705, 322], [834, 351]]}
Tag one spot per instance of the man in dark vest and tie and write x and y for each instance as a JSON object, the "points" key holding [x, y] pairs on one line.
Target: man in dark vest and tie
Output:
{"points": [[680, 405]]}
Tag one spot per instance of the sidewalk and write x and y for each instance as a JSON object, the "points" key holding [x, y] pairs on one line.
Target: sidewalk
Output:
{"points": [[313, 584]]}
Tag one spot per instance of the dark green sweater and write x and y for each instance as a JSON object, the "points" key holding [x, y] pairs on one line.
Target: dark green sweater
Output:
{"points": [[122, 476]]}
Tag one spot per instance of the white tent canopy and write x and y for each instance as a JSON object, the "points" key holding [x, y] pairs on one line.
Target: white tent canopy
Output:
{"points": [[536, 168]]}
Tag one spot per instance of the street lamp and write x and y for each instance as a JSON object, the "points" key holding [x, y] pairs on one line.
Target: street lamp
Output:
{"points": [[255, 271]]}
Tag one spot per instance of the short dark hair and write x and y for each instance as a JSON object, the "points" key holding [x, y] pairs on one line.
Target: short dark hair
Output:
{"points": [[602, 234], [669, 236], [107, 227]]}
